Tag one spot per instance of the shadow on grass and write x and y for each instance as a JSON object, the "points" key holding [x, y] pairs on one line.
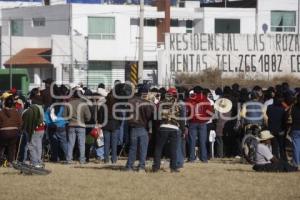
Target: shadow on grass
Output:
{"points": [[104, 167], [240, 170], [119, 168], [11, 173], [227, 161]]}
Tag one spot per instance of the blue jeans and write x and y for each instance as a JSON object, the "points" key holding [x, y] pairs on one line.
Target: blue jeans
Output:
{"points": [[59, 144], [110, 142], [296, 146], [180, 150], [138, 136], [78, 132], [121, 132], [200, 131], [99, 152], [35, 147]]}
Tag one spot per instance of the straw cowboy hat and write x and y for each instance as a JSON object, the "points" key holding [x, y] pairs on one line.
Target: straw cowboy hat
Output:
{"points": [[223, 105], [5, 95], [265, 135]]}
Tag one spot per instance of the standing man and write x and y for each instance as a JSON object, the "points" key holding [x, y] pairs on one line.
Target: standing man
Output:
{"points": [[111, 127], [34, 129], [56, 126], [170, 127], [276, 124], [79, 113], [200, 111], [10, 124], [138, 125], [295, 116]]}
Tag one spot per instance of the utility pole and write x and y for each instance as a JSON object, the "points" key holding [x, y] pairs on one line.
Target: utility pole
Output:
{"points": [[256, 17], [10, 54], [87, 59], [71, 75], [141, 43], [298, 17]]}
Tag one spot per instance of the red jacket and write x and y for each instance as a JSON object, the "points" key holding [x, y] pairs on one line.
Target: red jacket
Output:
{"points": [[199, 109]]}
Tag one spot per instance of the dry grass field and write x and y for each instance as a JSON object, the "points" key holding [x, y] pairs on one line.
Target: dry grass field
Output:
{"points": [[213, 79], [215, 180]]}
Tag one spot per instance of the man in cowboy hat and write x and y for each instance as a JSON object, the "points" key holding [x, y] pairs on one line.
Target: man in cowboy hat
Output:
{"points": [[265, 161], [223, 108]]}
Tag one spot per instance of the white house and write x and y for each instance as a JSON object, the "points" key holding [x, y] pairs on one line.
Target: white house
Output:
{"points": [[16, 4], [97, 43]]}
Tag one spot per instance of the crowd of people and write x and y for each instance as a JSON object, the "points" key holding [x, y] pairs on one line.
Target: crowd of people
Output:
{"points": [[70, 124]]}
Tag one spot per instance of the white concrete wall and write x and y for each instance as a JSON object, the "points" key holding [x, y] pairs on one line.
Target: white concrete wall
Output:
{"points": [[56, 20], [266, 6], [16, 4], [61, 55], [57, 2], [246, 16], [125, 44], [186, 13]]}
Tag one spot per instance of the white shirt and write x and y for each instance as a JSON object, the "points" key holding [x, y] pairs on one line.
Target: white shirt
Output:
{"points": [[268, 103], [263, 154]]}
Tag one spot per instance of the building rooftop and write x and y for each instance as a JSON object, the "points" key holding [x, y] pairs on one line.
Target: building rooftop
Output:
{"points": [[232, 4], [31, 57]]}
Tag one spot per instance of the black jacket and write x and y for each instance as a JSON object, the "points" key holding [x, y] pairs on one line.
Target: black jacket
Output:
{"points": [[295, 117], [106, 114], [142, 112]]}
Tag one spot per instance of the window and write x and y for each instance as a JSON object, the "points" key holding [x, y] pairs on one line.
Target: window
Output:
{"points": [[227, 26], [102, 28], [283, 21], [99, 72], [189, 26], [174, 22], [134, 22], [38, 22], [17, 27], [149, 22]]}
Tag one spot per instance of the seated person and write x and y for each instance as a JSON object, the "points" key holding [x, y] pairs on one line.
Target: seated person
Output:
{"points": [[265, 161]]}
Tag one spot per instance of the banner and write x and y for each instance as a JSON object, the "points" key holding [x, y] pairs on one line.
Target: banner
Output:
{"points": [[233, 53]]}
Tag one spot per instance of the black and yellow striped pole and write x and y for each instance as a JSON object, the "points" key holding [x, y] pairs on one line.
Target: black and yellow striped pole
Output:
{"points": [[134, 74]]}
